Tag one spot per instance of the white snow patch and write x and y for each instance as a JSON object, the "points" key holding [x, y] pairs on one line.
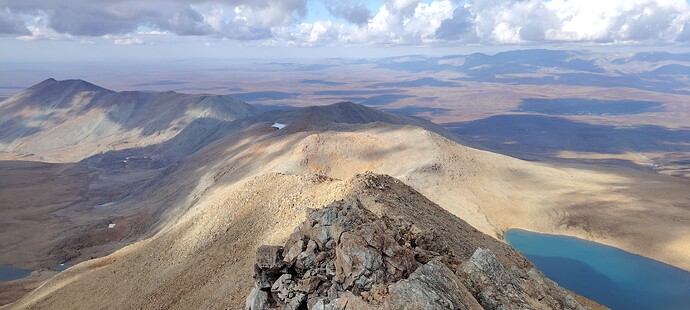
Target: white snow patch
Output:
{"points": [[111, 225], [105, 205], [278, 125]]}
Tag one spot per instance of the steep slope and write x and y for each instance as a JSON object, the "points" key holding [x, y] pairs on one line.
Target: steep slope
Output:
{"points": [[396, 250], [210, 162], [202, 261], [66, 121], [642, 213]]}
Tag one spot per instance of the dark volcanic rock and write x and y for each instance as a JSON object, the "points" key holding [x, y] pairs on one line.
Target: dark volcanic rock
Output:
{"points": [[345, 256]]}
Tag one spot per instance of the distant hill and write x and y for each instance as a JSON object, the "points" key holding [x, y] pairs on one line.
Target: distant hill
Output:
{"points": [[69, 120]]}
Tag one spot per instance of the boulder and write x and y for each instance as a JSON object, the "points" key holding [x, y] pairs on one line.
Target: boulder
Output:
{"points": [[431, 286], [269, 258]]}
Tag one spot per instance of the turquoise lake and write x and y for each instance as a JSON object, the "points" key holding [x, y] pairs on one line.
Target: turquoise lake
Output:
{"points": [[9, 273], [610, 276]]}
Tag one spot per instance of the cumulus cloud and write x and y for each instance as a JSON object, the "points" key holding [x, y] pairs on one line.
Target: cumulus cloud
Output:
{"points": [[516, 21], [401, 22], [192, 17], [11, 23], [405, 22], [354, 12], [321, 32], [460, 27]]}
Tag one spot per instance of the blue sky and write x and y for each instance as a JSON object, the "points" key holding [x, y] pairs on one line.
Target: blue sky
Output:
{"points": [[76, 28]]}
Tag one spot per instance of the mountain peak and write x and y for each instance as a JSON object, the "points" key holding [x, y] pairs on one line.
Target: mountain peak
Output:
{"points": [[73, 85]]}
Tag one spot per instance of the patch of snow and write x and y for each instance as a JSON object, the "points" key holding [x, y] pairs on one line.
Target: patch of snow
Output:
{"points": [[111, 225], [278, 125], [105, 205]]}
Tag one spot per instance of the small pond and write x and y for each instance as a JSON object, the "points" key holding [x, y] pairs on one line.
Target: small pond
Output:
{"points": [[9, 273]]}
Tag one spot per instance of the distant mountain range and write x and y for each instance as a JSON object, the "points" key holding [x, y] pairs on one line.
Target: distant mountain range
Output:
{"points": [[69, 120]]}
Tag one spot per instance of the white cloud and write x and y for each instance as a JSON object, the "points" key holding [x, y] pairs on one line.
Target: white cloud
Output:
{"points": [[355, 12], [321, 32], [395, 22], [180, 17], [124, 40], [399, 22], [517, 21], [631, 20], [39, 30]]}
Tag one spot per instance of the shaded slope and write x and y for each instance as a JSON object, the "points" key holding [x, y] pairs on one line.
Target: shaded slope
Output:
{"points": [[211, 161], [492, 192], [70, 120]]}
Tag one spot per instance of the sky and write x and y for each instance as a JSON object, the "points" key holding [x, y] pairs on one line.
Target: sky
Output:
{"points": [[63, 29]]}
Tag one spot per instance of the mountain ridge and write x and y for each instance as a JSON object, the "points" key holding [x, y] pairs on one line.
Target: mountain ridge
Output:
{"points": [[149, 191], [209, 248], [62, 121]]}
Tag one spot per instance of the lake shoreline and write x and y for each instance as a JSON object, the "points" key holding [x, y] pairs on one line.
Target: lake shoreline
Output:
{"points": [[609, 275]]}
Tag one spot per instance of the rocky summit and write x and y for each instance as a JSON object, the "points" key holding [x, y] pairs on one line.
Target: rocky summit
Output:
{"points": [[344, 256]]}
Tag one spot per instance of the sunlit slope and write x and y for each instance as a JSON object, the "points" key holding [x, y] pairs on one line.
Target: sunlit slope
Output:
{"points": [[66, 121], [643, 213], [249, 183], [205, 260]]}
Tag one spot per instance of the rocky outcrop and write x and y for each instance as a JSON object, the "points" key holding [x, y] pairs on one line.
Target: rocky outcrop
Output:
{"points": [[346, 257]]}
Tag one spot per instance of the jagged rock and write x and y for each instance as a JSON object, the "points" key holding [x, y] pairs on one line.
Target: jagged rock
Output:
{"points": [[399, 262], [269, 258], [341, 248], [306, 259], [308, 285], [500, 288], [432, 286], [346, 257], [257, 300], [283, 287], [357, 266], [294, 249], [262, 279], [347, 301]]}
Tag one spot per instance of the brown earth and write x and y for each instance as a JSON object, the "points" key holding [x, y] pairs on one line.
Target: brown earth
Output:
{"points": [[207, 214], [202, 261]]}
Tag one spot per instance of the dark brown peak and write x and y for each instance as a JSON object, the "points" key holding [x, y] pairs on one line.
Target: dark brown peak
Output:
{"points": [[73, 84], [47, 81], [347, 104], [344, 105]]}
